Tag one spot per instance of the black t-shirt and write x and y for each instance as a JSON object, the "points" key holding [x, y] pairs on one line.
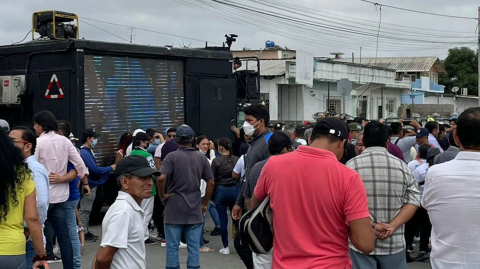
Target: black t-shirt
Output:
{"points": [[350, 153], [222, 170]]}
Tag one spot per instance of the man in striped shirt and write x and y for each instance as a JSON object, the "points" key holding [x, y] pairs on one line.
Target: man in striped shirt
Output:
{"points": [[393, 198]]}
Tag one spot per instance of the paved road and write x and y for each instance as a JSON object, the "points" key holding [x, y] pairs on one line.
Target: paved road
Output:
{"points": [[156, 255]]}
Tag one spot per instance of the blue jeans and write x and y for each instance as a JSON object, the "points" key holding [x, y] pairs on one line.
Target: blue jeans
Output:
{"points": [[212, 209], [72, 232], [57, 225], [29, 255], [173, 233], [225, 197]]}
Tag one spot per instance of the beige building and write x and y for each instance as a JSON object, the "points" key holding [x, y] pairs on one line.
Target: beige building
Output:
{"points": [[265, 54]]}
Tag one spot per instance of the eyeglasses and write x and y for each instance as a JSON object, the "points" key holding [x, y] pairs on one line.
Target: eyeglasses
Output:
{"points": [[20, 141], [171, 136]]}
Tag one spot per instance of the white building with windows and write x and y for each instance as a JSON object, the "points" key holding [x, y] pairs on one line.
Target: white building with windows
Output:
{"points": [[376, 92]]}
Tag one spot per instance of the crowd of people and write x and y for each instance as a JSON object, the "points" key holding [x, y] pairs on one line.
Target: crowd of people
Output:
{"points": [[354, 194]]}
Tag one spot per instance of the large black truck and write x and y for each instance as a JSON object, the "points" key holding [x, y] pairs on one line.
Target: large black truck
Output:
{"points": [[117, 88]]}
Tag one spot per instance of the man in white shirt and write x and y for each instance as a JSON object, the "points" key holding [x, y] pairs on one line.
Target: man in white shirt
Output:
{"points": [[433, 129], [422, 157], [123, 232], [452, 192], [404, 143], [171, 134]]}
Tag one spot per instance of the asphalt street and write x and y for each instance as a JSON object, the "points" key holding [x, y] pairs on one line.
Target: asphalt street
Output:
{"points": [[156, 254]]}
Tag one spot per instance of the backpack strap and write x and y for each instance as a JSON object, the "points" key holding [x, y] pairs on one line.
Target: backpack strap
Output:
{"points": [[396, 142]]}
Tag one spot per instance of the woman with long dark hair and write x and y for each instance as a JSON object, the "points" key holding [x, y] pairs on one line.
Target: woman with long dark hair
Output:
{"points": [[17, 204], [125, 140], [225, 194], [206, 147]]}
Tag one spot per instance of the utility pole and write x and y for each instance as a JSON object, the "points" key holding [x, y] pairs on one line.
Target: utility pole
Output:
{"points": [[328, 96], [478, 56], [131, 34]]}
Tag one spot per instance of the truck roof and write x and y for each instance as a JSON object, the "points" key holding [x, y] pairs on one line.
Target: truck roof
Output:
{"points": [[111, 48]]}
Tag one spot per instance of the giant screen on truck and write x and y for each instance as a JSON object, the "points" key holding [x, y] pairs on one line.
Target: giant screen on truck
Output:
{"points": [[123, 94]]}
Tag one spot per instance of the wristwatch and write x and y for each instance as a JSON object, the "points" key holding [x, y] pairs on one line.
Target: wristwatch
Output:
{"points": [[40, 258], [373, 225]]}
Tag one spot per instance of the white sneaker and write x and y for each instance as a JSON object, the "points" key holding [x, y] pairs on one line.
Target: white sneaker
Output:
{"points": [[182, 245], [225, 251]]}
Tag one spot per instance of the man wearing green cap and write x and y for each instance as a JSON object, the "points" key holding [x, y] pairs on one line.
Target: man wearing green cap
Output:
{"points": [[355, 129]]}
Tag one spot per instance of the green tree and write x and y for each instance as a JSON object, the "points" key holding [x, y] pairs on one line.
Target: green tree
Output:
{"points": [[461, 64]]}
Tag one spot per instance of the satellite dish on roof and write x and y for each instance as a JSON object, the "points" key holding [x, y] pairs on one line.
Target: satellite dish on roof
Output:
{"points": [[455, 89]]}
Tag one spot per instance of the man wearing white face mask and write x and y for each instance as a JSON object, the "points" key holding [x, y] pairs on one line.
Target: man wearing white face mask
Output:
{"points": [[98, 175], [256, 126]]}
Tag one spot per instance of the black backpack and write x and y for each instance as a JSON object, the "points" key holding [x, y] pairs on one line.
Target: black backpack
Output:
{"points": [[256, 228]]}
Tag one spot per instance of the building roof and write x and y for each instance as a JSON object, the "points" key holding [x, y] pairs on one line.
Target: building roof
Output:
{"points": [[403, 64], [267, 67]]}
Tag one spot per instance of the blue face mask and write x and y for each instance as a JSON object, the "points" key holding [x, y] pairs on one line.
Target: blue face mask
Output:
{"points": [[157, 141], [94, 143]]}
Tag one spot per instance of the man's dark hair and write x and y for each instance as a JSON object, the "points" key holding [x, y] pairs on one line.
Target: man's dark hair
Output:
{"points": [[277, 142], [85, 137], [259, 112], [359, 120], [171, 130], [64, 126], [468, 128], [423, 151], [330, 138], [136, 143], [28, 135], [390, 131], [375, 135], [396, 128], [151, 132], [431, 125], [47, 120], [454, 120], [451, 140]]}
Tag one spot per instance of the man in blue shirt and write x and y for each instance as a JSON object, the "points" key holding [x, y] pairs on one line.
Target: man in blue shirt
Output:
{"points": [[97, 176]]}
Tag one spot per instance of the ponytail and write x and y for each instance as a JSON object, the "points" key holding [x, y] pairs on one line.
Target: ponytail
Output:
{"points": [[227, 145]]}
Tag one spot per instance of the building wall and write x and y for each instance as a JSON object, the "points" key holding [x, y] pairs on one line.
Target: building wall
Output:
{"points": [[270, 87], [290, 103], [425, 110], [265, 54], [459, 104]]}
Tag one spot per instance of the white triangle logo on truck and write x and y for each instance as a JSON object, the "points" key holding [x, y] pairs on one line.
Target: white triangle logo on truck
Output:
{"points": [[54, 96]]}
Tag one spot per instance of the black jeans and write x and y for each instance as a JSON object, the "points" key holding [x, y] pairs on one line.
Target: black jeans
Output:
{"points": [[244, 252], [420, 219]]}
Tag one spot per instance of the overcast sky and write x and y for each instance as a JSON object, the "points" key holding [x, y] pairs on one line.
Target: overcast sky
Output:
{"points": [[200, 21]]}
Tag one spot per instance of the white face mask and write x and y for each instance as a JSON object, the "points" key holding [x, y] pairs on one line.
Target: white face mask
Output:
{"points": [[248, 128]]}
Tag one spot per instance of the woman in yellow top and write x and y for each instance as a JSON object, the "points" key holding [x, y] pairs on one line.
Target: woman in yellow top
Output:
{"points": [[17, 204]]}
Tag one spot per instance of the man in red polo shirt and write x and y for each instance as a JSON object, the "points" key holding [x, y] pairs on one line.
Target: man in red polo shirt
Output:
{"points": [[318, 200]]}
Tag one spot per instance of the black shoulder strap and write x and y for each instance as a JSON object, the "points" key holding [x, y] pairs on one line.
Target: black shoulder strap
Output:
{"points": [[396, 142]]}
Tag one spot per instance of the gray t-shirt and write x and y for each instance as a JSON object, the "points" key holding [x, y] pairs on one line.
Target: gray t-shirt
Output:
{"points": [[185, 168], [253, 178]]}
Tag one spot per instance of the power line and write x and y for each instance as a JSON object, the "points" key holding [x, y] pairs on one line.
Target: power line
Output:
{"points": [[421, 12], [328, 27], [23, 38], [362, 21], [106, 31], [148, 30]]}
